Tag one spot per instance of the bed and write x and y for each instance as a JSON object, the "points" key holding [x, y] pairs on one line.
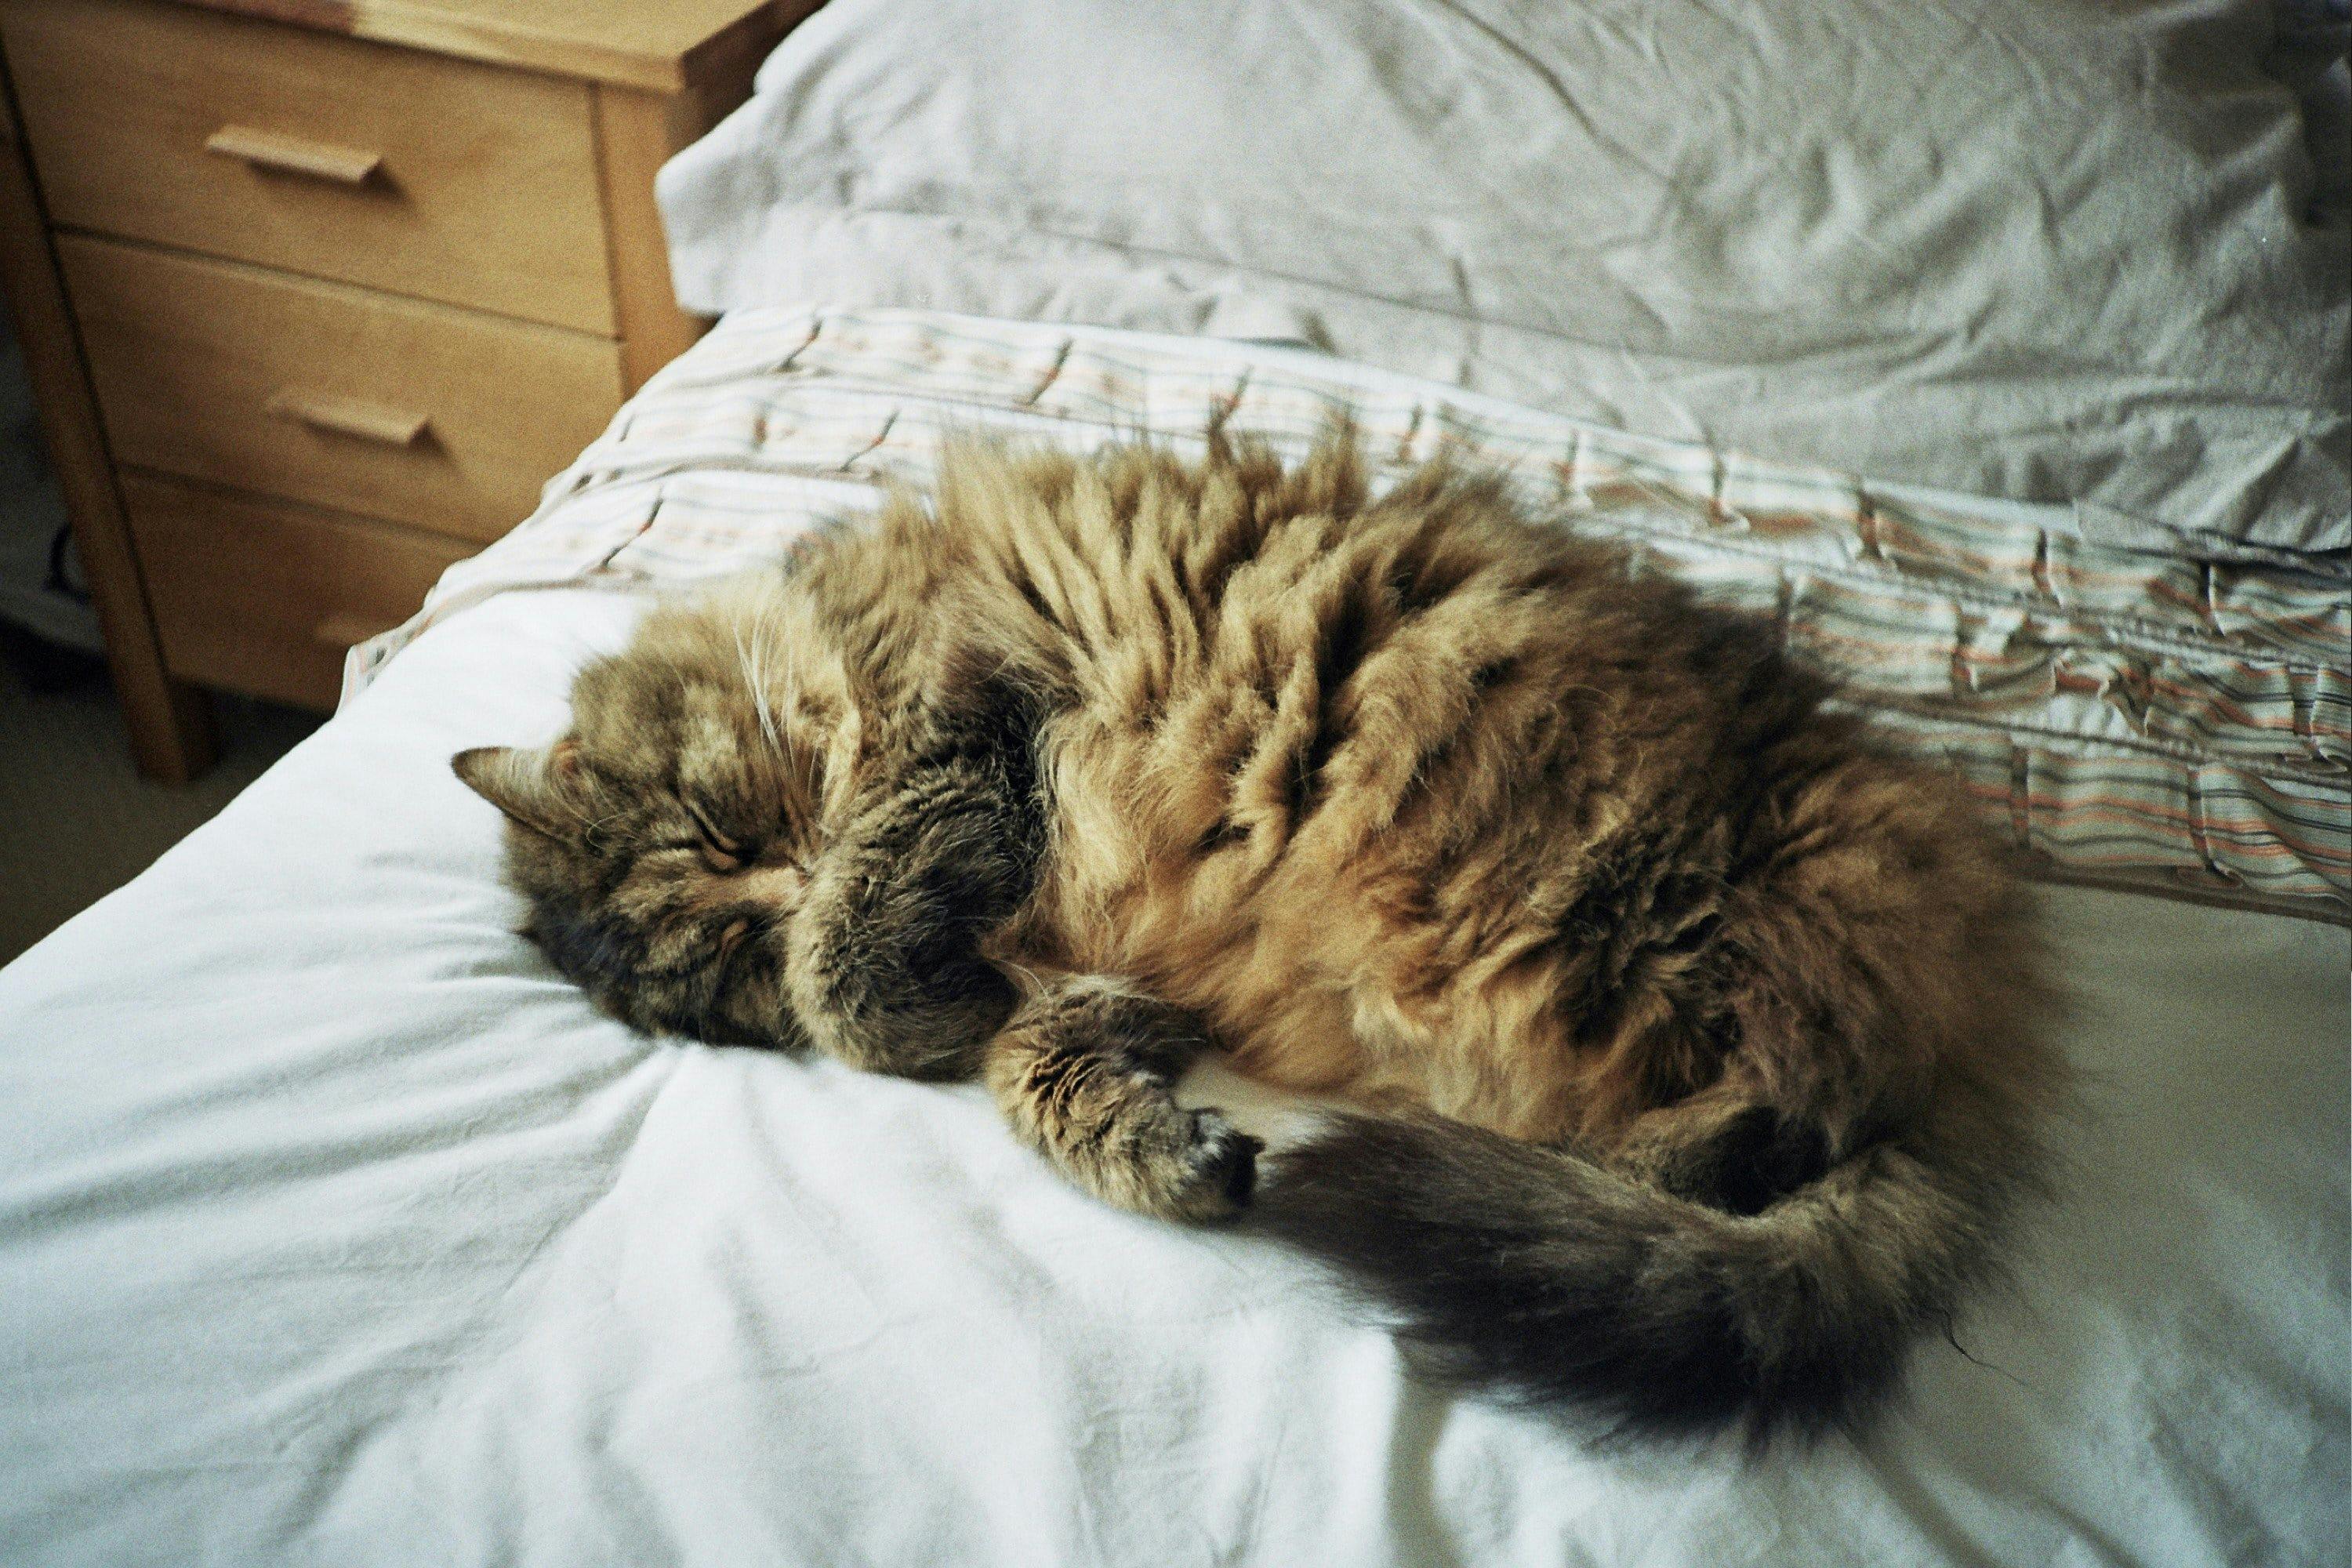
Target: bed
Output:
{"points": [[335, 1227]]}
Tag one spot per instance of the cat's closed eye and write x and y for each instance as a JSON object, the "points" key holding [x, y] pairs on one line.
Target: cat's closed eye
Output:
{"points": [[721, 852]]}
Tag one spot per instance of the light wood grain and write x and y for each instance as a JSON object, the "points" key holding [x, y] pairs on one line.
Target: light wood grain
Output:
{"points": [[169, 723], [661, 44], [266, 597], [636, 132], [483, 188], [188, 355], [285, 133]]}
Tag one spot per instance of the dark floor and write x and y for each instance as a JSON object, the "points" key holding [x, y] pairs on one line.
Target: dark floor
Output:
{"points": [[76, 820]]}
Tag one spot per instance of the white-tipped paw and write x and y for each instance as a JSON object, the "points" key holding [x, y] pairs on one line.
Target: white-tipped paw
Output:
{"points": [[1211, 1173]]}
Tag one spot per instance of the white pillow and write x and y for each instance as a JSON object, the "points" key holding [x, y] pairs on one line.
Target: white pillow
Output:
{"points": [[2054, 250]]}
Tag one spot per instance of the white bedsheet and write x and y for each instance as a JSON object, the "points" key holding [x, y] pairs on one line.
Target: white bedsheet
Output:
{"points": [[335, 1228]]}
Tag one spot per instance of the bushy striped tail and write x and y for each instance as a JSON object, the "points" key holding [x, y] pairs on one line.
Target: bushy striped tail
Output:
{"points": [[1544, 1277]]}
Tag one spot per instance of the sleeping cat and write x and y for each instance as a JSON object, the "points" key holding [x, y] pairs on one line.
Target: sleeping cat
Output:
{"points": [[1691, 1038]]}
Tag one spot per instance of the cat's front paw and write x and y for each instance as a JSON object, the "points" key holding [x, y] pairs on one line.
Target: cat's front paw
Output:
{"points": [[1084, 1073], [1220, 1168], [885, 976], [1179, 1165]]}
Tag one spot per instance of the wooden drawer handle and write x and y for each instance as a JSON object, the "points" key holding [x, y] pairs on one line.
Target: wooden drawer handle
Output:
{"points": [[341, 630], [346, 417], [295, 154]]}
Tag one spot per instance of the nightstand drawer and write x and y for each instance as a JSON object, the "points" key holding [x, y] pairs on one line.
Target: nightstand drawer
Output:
{"points": [[391, 408], [329, 156], [265, 599]]}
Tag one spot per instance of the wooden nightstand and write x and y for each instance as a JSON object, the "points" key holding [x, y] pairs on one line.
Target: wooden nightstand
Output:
{"points": [[315, 294]]}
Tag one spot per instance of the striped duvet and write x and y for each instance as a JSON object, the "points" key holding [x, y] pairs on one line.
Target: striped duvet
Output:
{"points": [[2132, 718]]}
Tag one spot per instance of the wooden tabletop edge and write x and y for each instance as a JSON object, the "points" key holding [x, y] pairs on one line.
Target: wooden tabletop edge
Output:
{"points": [[588, 42]]}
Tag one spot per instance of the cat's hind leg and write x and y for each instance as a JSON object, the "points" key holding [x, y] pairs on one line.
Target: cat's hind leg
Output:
{"points": [[1084, 1072]]}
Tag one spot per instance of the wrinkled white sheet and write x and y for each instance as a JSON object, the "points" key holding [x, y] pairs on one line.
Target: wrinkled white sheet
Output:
{"points": [[335, 1228], [2051, 250]]}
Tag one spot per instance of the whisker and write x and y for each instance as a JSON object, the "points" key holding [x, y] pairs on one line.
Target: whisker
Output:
{"points": [[754, 668]]}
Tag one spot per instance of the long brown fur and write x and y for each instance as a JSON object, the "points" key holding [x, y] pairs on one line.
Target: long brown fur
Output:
{"points": [[1695, 1036]]}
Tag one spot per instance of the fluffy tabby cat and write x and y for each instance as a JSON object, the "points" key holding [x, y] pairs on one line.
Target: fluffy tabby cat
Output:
{"points": [[1693, 1037]]}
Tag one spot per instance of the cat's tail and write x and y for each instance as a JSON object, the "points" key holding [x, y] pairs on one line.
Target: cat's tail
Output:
{"points": [[1544, 1277]]}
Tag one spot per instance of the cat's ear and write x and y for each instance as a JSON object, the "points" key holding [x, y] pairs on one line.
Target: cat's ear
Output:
{"points": [[530, 785]]}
